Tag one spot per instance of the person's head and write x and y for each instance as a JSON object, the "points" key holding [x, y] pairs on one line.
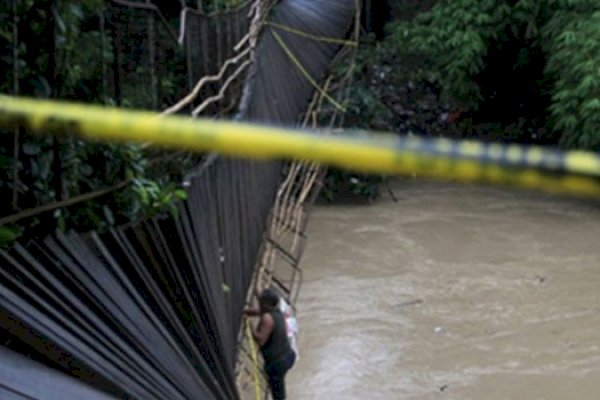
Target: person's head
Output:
{"points": [[268, 300]]}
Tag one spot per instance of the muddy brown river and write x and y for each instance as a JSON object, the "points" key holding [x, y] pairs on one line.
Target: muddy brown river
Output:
{"points": [[454, 292]]}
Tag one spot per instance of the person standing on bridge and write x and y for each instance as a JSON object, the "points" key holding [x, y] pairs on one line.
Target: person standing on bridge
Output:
{"points": [[271, 335]]}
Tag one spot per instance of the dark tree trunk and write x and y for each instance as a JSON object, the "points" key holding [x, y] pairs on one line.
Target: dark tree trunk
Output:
{"points": [[376, 13], [117, 59], [151, 28], [51, 77], [16, 77]]}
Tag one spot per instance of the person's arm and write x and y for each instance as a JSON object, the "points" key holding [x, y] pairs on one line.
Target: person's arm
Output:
{"points": [[251, 311], [264, 329]]}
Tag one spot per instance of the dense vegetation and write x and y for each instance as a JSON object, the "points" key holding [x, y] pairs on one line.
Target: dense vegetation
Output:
{"points": [[459, 40], [526, 71], [93, 51]]}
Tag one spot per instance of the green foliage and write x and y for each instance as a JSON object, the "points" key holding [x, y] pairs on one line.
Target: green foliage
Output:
{"points": [[572, 41], [155, 198], [8, 234], [363, 107], [80, 174], [80, 67], [451, 41], [450, 47]]}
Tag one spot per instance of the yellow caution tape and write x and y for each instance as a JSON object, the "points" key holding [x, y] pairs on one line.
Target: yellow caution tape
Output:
{"points": [[465, 161]]}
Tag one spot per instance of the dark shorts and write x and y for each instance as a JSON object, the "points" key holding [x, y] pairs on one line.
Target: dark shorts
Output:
{"points": [[276, 374]]}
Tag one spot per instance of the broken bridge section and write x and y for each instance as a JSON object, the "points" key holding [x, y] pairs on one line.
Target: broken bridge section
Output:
{"points": [[152, 310]]}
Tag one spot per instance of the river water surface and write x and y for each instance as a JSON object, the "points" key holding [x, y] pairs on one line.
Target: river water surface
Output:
{"points": [[454, 292]]}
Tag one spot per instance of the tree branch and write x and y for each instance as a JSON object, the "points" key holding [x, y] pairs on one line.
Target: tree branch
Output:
{"points": [[32, 212], [16, 76]]}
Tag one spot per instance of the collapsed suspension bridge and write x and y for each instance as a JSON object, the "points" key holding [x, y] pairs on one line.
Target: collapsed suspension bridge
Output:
{"points": [[153, 310]]}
